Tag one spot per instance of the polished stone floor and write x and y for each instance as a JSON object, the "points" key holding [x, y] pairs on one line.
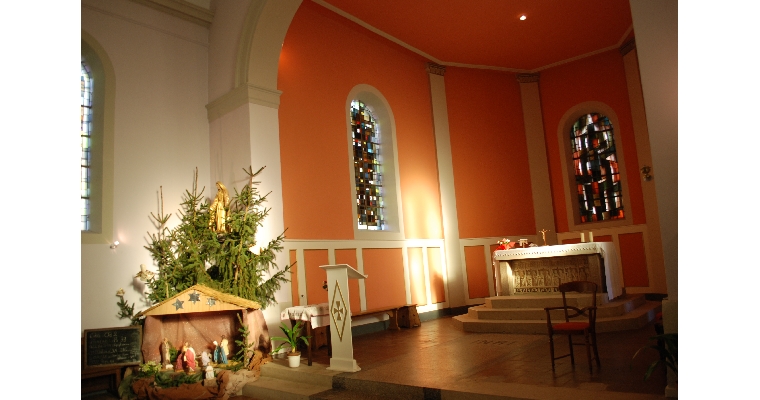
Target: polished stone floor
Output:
{"points": [[438, 355]]}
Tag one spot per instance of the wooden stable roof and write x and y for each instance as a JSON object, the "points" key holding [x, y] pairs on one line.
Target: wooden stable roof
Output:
{"points": [[199, 298]]}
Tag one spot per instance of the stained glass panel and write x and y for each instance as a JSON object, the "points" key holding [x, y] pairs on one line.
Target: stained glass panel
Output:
{"points": [[596, 169], [367, 168], [86, 137]]}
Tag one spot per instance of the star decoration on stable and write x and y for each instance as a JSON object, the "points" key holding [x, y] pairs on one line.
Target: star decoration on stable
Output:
{"points": [[211, 301], [195, 296], [178, 304]]}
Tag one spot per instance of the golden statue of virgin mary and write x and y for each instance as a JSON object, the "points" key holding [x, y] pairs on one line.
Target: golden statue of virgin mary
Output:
{"points": [[218, 211]]}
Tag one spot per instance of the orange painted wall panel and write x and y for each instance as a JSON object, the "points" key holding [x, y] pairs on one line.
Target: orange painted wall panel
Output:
{"points": [[315, 276], [384, 285], [293, 278], [597, 78], [435, 269], [323, 57], [348, 256], [489, 153], [633, 259], [417, 275], [477, 279]]}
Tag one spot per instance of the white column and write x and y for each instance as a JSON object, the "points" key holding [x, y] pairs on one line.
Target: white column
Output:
{"points": [[656, 26], [341, 338], [453, 262], [543, 211]]}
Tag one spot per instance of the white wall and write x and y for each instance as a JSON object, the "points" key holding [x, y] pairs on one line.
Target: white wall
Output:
{"points": [[224, 40], [161, 135]]}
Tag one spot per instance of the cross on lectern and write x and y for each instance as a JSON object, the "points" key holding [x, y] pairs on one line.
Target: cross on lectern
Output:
{"points": [[338, 311]]}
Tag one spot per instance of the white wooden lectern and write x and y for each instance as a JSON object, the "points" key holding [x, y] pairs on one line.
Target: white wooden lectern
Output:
{"points": [[340, 316]]}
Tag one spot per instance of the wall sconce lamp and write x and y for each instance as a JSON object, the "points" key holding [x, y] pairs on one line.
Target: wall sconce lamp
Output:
{"points": [[645, 170], [114, 244]]}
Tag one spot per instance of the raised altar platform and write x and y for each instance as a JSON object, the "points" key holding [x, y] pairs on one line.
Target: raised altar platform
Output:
{"points": [[539, 270]]}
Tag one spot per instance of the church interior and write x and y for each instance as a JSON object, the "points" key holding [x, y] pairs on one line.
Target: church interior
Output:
{"points": [[475, 109]]}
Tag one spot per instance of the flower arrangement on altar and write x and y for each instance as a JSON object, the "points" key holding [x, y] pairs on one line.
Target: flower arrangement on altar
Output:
{"points": [[505, 244]]}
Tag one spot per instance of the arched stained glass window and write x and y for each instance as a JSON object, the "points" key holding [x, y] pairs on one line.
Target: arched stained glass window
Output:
{"points": [[367, 168], [86, 138], [597, 175]]}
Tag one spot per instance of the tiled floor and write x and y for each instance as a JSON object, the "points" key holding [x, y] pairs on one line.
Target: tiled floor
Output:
{"points": [[437, 355]]}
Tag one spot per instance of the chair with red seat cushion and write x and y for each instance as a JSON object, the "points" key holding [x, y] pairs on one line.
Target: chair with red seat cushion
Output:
{"points": [[577, 321]]}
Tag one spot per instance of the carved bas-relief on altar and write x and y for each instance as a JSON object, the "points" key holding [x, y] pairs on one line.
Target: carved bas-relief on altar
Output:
{"points": [[544, 275], [540, 270]]}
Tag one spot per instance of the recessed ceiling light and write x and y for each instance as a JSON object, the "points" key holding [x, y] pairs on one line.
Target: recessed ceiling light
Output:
{"points": [[523, 18]]}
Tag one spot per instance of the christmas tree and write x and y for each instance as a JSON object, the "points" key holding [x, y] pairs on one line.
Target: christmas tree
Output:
{"points": [[215, 245]]}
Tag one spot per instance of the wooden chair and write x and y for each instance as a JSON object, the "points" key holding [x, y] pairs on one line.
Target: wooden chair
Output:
{"points": [[573, 325]]}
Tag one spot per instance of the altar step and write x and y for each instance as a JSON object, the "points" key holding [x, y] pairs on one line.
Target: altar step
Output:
{"points": [[280, 382], [525, 314]]}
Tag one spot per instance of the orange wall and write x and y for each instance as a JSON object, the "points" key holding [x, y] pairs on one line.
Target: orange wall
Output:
{"points": [[417, 275], [435, 268], [384, 286], [315, 276], [489, 153], [477, 279], [323, 57], [634, 260], [597, 78]]}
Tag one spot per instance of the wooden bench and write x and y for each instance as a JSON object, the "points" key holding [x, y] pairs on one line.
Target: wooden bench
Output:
{"points": [[398, 316], [405, 316]]}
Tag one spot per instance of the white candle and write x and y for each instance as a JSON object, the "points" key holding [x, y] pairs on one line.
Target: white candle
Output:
{"points": [[583, 237], [590, 236]]}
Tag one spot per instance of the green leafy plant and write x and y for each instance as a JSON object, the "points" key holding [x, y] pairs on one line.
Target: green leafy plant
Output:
{"points": [[245, 349], [667, 347], [168, 379], [150, 368], [230, 261], [293, 336]]}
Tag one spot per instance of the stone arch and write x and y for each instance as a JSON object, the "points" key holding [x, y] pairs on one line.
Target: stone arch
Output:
{"points": [[264, 30]]}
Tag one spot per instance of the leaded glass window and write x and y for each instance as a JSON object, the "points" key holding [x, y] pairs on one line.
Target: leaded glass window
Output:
{"points": [[86, 138], [597, 176], [367, 168]]}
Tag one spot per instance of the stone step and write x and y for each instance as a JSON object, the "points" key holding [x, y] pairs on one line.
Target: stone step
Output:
{"points": [[547, 300], [280, 389], [316, 374], [611, 309], [634, 319], [279, 381]]}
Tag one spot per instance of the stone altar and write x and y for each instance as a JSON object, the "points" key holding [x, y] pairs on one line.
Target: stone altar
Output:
{"points": [[539, 270]]}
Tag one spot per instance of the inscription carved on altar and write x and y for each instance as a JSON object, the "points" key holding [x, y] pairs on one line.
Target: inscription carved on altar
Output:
{"points": [[544, 275]]}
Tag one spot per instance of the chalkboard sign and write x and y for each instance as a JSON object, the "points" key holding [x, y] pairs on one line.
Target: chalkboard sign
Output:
{"points": [[112, 346]]}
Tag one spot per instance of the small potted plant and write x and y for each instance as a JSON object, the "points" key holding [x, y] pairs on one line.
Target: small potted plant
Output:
{"points": [[293, 335], [667, 346]]}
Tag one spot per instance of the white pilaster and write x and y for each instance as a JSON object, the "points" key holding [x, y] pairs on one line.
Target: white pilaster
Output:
{"points": [[543, 210], [453, 262]]}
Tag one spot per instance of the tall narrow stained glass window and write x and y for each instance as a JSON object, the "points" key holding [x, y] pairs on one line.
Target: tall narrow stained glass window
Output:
{"points": [[597, 175], [367, 168], [86, 137]]}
